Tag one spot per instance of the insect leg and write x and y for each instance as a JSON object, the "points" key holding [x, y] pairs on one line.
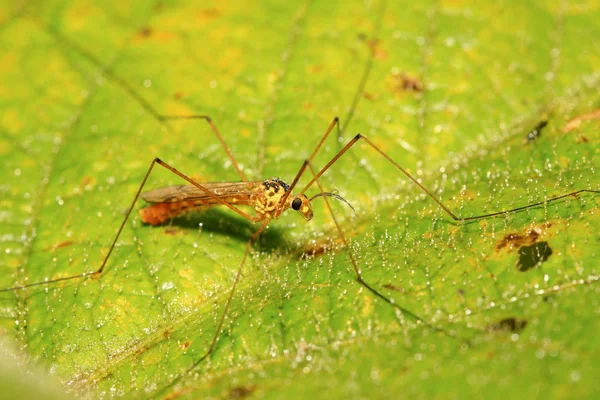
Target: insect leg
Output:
{"points": [[216, 132], [424, 189], [359, 277], [227, 305], [334, 123], [137, 195]]}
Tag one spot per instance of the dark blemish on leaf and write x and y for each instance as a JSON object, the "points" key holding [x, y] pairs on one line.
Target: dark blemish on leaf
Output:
{"points": [[138, 351], [407, 83], [512, 324], [576, 122], [536, 132], [516, 240], [178, 393], [185, 345], [60, 245], [241, 392], [145, 32], [171, 231], [315, 69], [581, 139], [393, 287], [362, 37], [376, 49], [548, 298], [368, 96], [86, 180], [316, 250], [178, 95], [532, 256], [209, 13]]}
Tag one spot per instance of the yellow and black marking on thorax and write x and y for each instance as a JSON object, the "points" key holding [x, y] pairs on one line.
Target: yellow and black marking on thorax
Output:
{"points": [[268, 195]]}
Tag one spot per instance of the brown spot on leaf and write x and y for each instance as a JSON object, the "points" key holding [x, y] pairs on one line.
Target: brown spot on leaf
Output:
{"points": [[401, 83], [369, 96], [532, 256], [393, 287], [319, 247], [138, 351], [145, 32], [377, 50], [577, 121], [581, 139], [532, 252], [315, 69], [179, 393], [407, 83], [87, 180], [60, 245], [511, 324], [468, 194], [178, 95], [171, 231], [208, 13], [241, 392], [185, 345], [516, 240], [316, 249]]}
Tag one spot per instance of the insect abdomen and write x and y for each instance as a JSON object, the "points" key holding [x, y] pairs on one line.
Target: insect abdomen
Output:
{"points": [[158, 214]]}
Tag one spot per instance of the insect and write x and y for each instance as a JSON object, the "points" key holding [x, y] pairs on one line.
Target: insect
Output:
{"points": [[536, 132], [267, 200]]}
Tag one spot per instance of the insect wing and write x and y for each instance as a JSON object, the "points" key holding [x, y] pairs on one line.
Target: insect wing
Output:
{"points": [[173, 194]]}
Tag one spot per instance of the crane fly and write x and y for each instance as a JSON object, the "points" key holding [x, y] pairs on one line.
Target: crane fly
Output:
{"points": [[268, 199], [264, 196]]}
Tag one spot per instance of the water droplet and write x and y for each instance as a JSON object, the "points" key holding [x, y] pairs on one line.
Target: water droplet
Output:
{"points": [[575, 376]]}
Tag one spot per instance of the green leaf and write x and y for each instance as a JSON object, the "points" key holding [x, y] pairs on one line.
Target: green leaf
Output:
{"points": [[23, 383], [502, 306]]}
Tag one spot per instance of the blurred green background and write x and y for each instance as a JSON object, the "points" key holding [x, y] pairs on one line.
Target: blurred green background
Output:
{"points": [[449, 89]]}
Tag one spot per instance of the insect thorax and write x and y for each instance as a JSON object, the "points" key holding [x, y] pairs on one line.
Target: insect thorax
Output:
{"points": [[268, 195]]}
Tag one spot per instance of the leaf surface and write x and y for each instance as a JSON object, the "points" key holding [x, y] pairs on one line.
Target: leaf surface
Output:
{"points": [[450, 91]]}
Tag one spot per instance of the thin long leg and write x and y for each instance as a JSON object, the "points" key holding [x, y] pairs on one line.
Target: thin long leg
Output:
{"points": [[446, 209], [215, 130], [137, 195], [215, 338], [359, 277], [334, 123]]}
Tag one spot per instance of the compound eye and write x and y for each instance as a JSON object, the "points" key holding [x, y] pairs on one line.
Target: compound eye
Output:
{"points": [[296, 204]]}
